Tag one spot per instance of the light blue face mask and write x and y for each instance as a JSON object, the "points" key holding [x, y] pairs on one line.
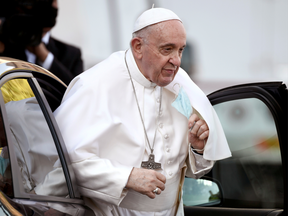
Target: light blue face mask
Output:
{"points": [[182, 103]]}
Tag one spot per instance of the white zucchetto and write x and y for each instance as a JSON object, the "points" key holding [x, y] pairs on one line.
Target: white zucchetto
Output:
{"points": [[153, 16]]}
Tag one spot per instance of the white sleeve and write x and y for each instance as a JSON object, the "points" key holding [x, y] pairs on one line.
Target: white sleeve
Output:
{"points": [[197, 166], [54, 184], [87, 131], [99, 178]]}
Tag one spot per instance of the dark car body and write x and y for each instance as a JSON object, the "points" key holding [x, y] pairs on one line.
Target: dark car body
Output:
{"points": [[30, 151]]}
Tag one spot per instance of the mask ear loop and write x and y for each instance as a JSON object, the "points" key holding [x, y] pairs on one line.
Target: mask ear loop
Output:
{"points": [[175, 90]]}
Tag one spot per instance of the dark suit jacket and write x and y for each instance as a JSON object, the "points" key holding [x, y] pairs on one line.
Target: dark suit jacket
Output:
{"points": [[67, 61]]}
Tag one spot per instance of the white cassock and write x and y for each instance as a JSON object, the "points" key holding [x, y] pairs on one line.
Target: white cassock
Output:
{"points": [[102, 129]]}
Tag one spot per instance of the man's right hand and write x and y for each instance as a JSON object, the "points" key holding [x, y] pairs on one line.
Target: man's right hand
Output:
{"points": [[145, 181], [40, 51]]}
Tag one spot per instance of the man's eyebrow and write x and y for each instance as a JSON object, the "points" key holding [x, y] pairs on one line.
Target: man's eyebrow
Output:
{"points": [[168, 44], [171, 44]]}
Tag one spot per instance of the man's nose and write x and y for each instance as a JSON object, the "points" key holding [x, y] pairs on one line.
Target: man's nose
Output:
{"points": [[175, 59]]}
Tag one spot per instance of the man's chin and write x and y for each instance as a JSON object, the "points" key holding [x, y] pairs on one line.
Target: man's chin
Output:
{"points": [[165, 81]]}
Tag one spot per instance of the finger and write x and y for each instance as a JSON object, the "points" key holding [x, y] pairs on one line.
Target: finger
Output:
{"points": [[192, 126], [202, 129], [161, 186], [196, 127], [151, 195], [193, 118], [158, 192], [160, 177], [204, 135]]}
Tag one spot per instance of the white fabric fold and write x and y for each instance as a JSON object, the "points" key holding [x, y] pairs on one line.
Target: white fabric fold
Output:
{"points": [[216, 147]]}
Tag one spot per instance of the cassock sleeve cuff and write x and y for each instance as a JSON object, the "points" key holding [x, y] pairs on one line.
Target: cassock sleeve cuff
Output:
{"points": [[197, 166]]}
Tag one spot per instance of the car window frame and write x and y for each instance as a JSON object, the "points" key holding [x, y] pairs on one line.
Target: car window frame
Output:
{"points": [[275, 96], [55, 132], [74, 196], [265, 92]]}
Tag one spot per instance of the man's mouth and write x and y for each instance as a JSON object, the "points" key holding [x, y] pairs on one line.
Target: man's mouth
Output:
{"points": [[170, 70]]}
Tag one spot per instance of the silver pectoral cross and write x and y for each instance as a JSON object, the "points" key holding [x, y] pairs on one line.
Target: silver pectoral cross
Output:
{"points": [[151, 164]]}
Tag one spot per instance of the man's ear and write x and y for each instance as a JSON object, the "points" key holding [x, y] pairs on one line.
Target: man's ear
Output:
{"points": [[136, 46]]}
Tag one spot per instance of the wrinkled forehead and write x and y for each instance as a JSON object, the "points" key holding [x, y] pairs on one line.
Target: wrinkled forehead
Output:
{"points": [[168, 30]]}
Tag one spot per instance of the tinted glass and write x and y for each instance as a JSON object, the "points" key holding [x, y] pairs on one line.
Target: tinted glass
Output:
{"points": [[252, 177], [39, 168], [200, 192]]}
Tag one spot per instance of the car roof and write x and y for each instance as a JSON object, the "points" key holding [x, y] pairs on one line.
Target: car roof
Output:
{"points": [[11, 65]]}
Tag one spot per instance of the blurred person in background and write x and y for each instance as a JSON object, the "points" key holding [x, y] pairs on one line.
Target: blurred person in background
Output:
{"points": [[25, 34]]}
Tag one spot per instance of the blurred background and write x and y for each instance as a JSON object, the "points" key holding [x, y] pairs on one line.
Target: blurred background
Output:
{"points": [[228, 41]]}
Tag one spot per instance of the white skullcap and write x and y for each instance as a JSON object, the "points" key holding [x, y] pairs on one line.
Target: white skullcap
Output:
{"points": [[153, 16]]}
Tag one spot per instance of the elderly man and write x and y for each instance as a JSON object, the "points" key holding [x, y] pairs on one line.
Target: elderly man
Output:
{"points": [[134, 124]]}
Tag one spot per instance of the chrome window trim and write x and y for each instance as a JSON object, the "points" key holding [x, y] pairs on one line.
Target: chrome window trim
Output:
{"points": [[62, 151], [14, 75]]}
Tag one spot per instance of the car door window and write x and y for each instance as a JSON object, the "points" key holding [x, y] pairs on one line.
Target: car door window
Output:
{"points": [[39, 170], [252, 177], [200, 192]]}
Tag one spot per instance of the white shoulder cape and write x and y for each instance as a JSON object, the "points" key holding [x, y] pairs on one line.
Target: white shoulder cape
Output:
{"points": [[216, 147]]}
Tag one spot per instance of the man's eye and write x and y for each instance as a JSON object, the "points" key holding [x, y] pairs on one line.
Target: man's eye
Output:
{"points": [[168, 49]]}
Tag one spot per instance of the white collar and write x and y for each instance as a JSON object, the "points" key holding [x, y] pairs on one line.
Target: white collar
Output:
{"points": [[136, 73], [45, 38]]}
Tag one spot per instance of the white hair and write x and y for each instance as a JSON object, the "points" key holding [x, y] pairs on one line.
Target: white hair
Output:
{"points": [[144, 33]]}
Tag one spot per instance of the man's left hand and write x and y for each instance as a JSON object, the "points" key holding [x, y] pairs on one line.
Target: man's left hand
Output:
{"points": [[199, 133]]}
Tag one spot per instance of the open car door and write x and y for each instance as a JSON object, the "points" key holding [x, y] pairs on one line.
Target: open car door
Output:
{"points": [[36, 177], [254, 180]]}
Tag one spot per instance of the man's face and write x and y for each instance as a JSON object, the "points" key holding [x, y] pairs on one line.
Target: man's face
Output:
{"points": [[162, 52], [53, 15]]}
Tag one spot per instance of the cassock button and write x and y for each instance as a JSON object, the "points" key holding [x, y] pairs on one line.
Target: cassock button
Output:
{"points": [[167, 149], [170, 173], [161, 125], [169, 162], [158, 100], [166, 136], [160, 113]]}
